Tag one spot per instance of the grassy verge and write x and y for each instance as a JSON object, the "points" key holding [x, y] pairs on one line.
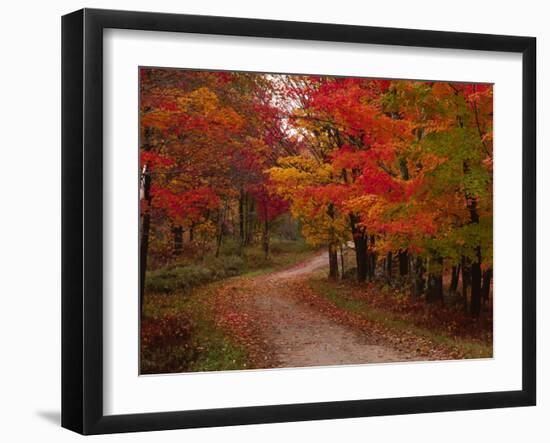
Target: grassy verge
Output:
{"points": [[187, 274], [344, 297]]}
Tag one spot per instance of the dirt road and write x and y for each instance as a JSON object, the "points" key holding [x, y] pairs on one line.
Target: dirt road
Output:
{"points": [[295, 333]]}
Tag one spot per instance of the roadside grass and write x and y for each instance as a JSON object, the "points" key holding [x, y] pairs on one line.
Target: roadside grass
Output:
{"points": [[344, 296], [214, 351], [178, 328]]}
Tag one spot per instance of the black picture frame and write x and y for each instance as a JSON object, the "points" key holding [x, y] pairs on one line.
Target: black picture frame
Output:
{"points": [[82, 218]]}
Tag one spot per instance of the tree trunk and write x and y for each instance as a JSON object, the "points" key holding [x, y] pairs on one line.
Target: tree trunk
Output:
{"points": [[333, 261], [419, 282], [250, 220], [486, 285], [361, 257], [403, 254], [219, 240], [455, 273], [265, 239], [466, 278], [476, 265], [178, 239], [342, 261], [475, 303], [219, 234], [371, 268], [403, 169], [434, 291], [241, 223], [144, 241], [403, 263], [389, 264], [476, 285], [439, 286], [332, 247], [361, 250]]}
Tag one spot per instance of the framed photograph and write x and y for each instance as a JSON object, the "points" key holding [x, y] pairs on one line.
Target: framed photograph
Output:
{"points": [[269, 221]]}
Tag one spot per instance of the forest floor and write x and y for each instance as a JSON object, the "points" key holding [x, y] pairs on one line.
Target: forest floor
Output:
{"points": [[294, 317]]}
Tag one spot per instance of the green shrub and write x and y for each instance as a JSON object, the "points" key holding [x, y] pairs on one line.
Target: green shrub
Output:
{"points": [[280, 246], [230, 246], [233, 264], [255, 258], [185, 278]]}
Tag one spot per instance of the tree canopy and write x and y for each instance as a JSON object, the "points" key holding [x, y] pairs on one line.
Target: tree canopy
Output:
{"points": [[391, 168]]}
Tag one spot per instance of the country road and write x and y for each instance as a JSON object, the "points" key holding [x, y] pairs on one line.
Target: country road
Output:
{"points": [[295, 333]]}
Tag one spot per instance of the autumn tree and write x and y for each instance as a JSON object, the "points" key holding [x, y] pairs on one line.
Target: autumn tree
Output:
{"points": [[206, 140], [401, 170], [409, 163]]}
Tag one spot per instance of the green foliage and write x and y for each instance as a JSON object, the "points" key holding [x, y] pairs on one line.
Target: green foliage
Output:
{"points": [[218, 353], [279, 246], [184, 278], [230, 246]]}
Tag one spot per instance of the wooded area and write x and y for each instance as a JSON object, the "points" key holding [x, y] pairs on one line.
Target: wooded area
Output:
{"points": [[392, 178]]}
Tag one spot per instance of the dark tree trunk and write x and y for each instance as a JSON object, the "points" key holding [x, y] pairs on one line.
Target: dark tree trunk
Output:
{"points": [[403, 169], [144, 241], [434, 291], [455, 273], [241, 222], [265, 239], [371, 268], [178, 239], [475, 306], [219, 234], [486, 285], [419, 282], [475, 299], [466, 279], [432, 294], [191, 233], [403, 254], [361, 257], [332, 247], [361, 250], [250, 220], [476, 285], [333, 262], [439, 288], [342, 262], [389, 264], [403, 263], [219, 240]]}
